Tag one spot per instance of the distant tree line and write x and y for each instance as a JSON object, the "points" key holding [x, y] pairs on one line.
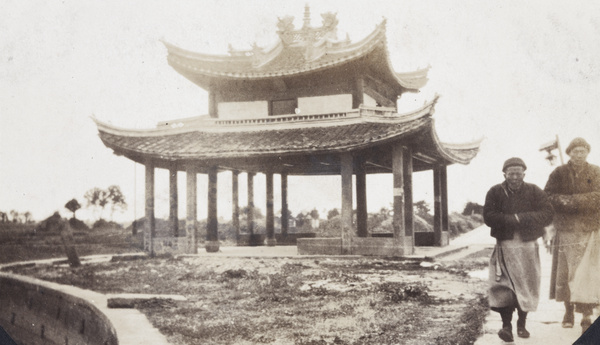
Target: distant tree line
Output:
{"points": [[16, 217]]}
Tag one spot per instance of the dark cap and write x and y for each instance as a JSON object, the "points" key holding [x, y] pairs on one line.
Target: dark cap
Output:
{"points": [[512, 162], [578, 142]]}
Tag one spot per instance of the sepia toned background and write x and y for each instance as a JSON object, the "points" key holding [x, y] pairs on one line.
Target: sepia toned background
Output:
{"points": [[513, 73]]}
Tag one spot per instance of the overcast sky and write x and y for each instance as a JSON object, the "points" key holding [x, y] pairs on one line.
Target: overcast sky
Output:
{"points": [[516, 73]]}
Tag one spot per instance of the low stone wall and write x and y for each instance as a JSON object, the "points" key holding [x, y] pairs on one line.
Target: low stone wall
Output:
{"points": [[37, 314], [170, 245], [375, 246], [319, 246], [34, 311]]}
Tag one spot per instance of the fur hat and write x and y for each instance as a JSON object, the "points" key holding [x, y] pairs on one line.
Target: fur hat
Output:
{"points": [[578, 142], [515, 161]]}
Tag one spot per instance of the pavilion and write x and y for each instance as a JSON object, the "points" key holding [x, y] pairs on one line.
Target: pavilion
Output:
{"points": [[309, 105]]}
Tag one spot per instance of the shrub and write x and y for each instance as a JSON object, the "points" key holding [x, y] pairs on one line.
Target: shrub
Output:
{"points": [[78, 225], [102, 224]]}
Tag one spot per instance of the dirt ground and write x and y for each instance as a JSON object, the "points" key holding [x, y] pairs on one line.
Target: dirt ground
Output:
{"points": [[296, 300]]}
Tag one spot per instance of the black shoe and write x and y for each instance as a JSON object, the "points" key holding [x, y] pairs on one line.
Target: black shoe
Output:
{"points": [[586, 322], [506, 335], [522, 332], [568, 320]]}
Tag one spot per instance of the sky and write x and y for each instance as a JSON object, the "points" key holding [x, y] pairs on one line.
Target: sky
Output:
{"points": [[514, 73]]}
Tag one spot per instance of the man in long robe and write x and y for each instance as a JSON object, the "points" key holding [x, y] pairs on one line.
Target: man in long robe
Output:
{"points": [[574, 191], [517, 213]]}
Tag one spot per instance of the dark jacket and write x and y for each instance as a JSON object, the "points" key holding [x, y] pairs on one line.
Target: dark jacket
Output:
{"points": [[529, 203], [575, 197]]}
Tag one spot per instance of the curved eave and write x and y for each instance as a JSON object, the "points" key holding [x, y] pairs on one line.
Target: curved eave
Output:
{"points": [[461, 153], [193, 65], [413, 81]]}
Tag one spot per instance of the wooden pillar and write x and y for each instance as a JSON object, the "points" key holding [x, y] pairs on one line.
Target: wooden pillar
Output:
{"points": [[361, 199], [173, 200], [150, 228], [409, 225], [444, 204], [358, 95], [346, 172], [271, 241], [399, 220], [250, 215], [212, 224], [212, 104], [235, 200], [191, 227], [437, 207], [285, 219]]}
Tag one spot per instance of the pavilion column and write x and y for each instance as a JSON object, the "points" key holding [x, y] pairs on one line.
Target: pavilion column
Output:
{"points": [[191, 227], [440, 214], [402, 242], [212, 104], [173, 200], [150, 227], [235, 200], [284, 206], [409, 225], [444, 192], [346, 172], [250, 217], [212, 225], [271, 241], [361, 199]]}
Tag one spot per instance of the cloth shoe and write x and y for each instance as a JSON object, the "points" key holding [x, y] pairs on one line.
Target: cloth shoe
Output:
{"points": [[506, 334], [586, 322], [569, 318], [522, 332]]}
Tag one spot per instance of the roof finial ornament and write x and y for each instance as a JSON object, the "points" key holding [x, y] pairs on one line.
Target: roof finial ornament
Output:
{"points": [[306, 16]]}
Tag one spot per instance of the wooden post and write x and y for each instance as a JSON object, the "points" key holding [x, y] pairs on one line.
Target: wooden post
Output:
{"points": [[271, 241], [444, 204], [150, 228], [66, 234], [407, 171], [250, 217], [361, 199], [437, 207], [399, 221], [212, 225], [191, 227], [285, 219], [173, 201], [358, 95], [235, 199], [346, 172], [212, 104]]}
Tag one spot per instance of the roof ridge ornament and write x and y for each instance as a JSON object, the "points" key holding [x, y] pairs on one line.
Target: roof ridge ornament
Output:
{"points": [[306, 16]]}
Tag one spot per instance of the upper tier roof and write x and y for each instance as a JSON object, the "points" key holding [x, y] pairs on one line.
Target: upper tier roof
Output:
{"points": [[297, 144], [298, 52]]}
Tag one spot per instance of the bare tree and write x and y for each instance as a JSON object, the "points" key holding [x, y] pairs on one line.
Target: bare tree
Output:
{"points": [[28, 218], [15, 216], [116, 199], [97, 198]]}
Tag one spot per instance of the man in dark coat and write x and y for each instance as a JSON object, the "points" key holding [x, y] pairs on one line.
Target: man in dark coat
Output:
{"points": [[517, 213], [574, 191]]}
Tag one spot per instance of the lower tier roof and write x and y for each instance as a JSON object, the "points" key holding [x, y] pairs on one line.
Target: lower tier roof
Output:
{"points": [[296, 147]]}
